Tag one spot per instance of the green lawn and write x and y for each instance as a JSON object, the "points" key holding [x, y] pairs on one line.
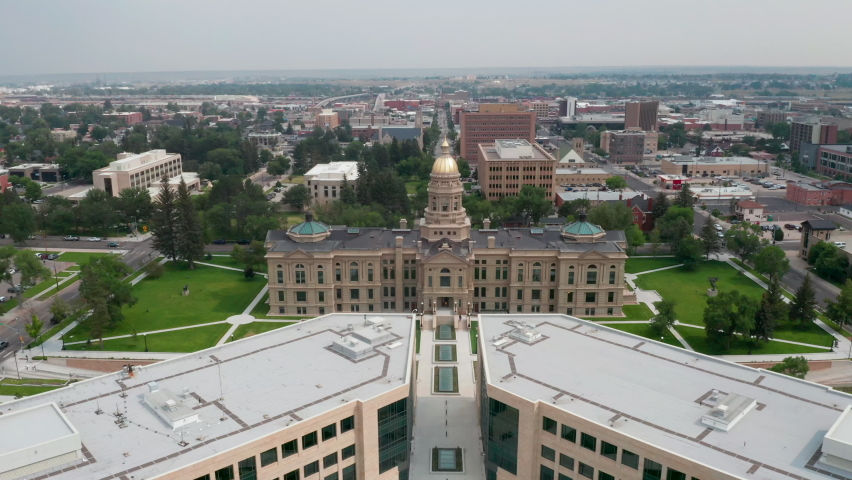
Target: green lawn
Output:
{"points": [[190, 340], [9, 304], [636, 265], [262, 308], [638, 312], [80, 257], [23, 391], [697, 339], [53, 331], [295, 179], [689, 288], [34, 381], [411, 187], [256, 328], [230, 262], [474, 334], [644, 330], [215, 294], [40, 287]]}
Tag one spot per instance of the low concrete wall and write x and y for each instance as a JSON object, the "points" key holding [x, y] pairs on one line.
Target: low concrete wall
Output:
{"points": [[97, 364]]}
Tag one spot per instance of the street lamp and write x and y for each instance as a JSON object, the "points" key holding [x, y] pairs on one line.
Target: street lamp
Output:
{"points": [[145, 336], [17, 369]]}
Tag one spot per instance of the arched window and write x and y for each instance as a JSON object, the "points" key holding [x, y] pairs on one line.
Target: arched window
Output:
{"points": [[320, 275], [571, 275], [552, 272], [536, 272], [591, 275], [300, 273], [369, 272], [613, 272], [520, 272], [280, 273], [353, 271], [337, 274], [445, 277]]}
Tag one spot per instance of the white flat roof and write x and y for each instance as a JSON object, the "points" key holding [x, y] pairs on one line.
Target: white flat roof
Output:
{"points": [[32, 427], [681, 159], [269, 381], [654, 392], [581, 171]]}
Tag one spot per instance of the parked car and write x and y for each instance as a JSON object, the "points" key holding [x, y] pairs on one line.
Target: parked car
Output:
{"points": [[764, 227], [718, 227], [71, 238], [735, 221], [12, 271], [94, 239], [112, 244], [219, 241], [789, 226], [15, 289], [243, 241], [3, 299], [3, 345], [53, 256], [281, 189], [720, 234]]}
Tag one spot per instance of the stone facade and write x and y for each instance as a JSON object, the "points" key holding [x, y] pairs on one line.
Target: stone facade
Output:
{"points": [[445, 265]]}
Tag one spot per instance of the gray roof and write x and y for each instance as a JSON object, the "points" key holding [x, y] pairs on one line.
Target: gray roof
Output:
{"points": [[403, 133], [260, 397], [819, 224], [658, 393]]}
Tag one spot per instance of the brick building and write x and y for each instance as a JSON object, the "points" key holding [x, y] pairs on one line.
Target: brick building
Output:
{"points": [[128, 118], [628, 146], [491, 122], [834, 160], [507, 165], [811, 132], [768, 117], [641, 115]]}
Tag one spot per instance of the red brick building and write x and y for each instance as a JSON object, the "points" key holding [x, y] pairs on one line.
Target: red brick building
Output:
{"points": [[493, 121], [820, 193], [643, 216], [128, 118]]}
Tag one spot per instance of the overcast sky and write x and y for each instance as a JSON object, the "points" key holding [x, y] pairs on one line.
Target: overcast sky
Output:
{"points": [[101, 36]]}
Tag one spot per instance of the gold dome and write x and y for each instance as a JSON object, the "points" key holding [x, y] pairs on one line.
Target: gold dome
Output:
{"points": [[445, 164]]}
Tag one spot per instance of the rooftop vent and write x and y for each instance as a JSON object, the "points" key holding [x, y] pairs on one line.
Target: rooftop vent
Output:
{"points": [[169, 408], [837, 442], [524, 333], [728, 411], [350, 347]]}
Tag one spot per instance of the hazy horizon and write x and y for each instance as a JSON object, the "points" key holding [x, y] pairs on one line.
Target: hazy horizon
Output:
{"points": [[91, 37]]}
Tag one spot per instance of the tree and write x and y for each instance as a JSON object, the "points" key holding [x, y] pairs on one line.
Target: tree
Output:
{"points": [[18, 221], [60, 309], [134, 203], [840, 309], [743, 241], [33, 191], [832, 264], [778, 235], [34, 326], [252, 257], [792, 366], [635, 238], [99, 133], [275, 167], [611, 215], [189, 231], [780, 130], [210, 171], [616, 183], [728, 314], [665, 318], [297, 196], [689, 252], [772, 262], [164, 218], [570, 209], [107, 105], [661, 205], [803, 304], [258, 225], [31, 269], [347, 192], [676, 225], [532, 203], [655, 240], [103, 291], [710, 238], [464, 167], [684, 197], [771, 313]]}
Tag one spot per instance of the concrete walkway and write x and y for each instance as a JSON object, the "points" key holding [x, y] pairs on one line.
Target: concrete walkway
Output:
{"points": [[151, 332], [431, 408]]}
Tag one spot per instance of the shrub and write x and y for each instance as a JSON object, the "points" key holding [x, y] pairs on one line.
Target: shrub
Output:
{"points": [[154, 270]]}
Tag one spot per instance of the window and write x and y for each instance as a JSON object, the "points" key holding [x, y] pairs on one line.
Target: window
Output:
{"points": [[548, 425], [320, 297], [588, 442], [569, 434], [281, 296], [300, 273], [333, 476], [393, 434], [329, 460], [612, 276], [289, 448], [520, 294], [430, 281], [520, 274], [347, 452], [570, 298], [329, 432], [369, 274], [609, 450], [590, 297], [311, 468], [552, 294], [564, 477], [552, 273], [604, 476], [338, 293], [280, 275], [672, 474], [610, 297], [309, 440], [353, 272], [370, 293], [294, 475], [320, 275], [536, 272], [566, 461], [652, 471], [445, 279], [461, 281], [536, 294], [203, 477], [269, 456], [545, 473], [248, 469], [592, 275], [301, 296], [484, 273], [347, 424], [548, 453], [348, 473], [586, 470], [571, 275], [226, 473], [630, 459]]}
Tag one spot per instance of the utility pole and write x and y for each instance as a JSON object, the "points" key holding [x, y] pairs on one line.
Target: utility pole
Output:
{"points": [[15, 355]]}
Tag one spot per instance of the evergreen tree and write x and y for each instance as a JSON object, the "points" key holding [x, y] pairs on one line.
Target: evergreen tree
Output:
{"points": [[802, 306], [661, 205], [709, 238], [772, 312], [666, 317], [840, 310], [164, 222], [684, 197], [190, 234], [347, 192]]}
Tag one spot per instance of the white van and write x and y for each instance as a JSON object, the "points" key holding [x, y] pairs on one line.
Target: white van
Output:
{"points": [[841, 245]]}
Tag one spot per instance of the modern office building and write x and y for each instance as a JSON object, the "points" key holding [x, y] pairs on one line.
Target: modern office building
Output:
{"points": [[507, 165], [688, 165], [43, 172], [445, 265], [539, 108], [629, 146], [811, 131], [324, 180], [768, 117], [563, 398], [325, 398], [835, 160], [142, 170], [578, 176], [491, 122], [641, 115], [328, 118]]}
